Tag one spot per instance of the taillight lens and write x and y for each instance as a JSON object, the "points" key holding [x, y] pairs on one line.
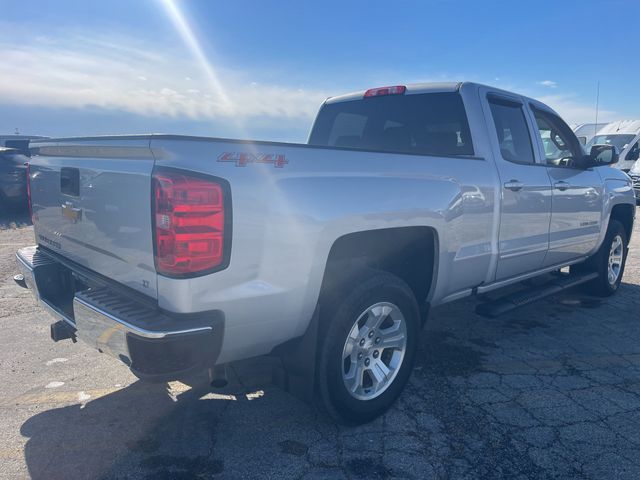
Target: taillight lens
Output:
{"points": [[190, 217]]}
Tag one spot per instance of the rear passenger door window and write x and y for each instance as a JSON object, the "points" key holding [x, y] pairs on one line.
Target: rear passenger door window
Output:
{"points": [[514, 138]]}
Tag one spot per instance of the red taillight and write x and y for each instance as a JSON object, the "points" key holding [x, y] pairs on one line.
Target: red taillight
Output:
{"points": [[377, 92], [189, 223]]}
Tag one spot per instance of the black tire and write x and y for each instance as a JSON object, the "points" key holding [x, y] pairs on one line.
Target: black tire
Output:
{"points": [[599, 262], [341, 314]]}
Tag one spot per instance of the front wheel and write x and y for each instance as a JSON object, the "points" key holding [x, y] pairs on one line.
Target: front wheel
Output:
{"points": [[608, 262], [367, 351]]}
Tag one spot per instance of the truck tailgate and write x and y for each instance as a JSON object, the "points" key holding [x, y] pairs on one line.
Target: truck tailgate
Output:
{"points": [[91, 201]]}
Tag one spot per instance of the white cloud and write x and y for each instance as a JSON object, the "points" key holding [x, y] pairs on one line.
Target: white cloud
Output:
{"points": [[129, 74], [574, 111], [120, 73], [548, 83]]}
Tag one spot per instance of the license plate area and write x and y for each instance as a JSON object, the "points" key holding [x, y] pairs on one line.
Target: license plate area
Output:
{"points": [[56, 287]]}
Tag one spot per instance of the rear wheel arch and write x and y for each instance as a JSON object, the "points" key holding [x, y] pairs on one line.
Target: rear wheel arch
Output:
{"points": [[409, 253], [353, 259]]}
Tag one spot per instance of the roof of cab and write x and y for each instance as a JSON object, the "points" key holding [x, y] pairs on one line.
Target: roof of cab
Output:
{"points": [[443, 87], [434, 87]]}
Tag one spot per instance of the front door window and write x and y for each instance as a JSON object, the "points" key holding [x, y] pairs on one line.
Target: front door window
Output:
{"points": [[559, 142]]}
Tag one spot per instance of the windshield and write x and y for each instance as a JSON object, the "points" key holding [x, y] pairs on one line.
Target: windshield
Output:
{"points": [[618, 140], [427, 124]]}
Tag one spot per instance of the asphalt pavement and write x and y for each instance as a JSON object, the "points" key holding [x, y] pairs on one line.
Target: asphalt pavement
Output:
{"points": [[549, 391]]}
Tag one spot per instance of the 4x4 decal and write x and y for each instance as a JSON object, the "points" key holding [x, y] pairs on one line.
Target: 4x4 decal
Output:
{"points": [[242, 159]]}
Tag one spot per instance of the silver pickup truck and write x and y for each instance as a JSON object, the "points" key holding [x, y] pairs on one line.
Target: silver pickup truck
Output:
{"points": [[178, 253]]}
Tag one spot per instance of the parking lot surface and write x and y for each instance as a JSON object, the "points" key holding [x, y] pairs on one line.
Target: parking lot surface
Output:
{"points": [[549, 391]]}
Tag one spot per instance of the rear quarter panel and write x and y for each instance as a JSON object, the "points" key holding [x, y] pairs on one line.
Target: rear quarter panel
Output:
{"points": [[285, 220]]}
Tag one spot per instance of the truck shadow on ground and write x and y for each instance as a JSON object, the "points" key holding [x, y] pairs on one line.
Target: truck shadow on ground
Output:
{"points": [[140, 428], [488, 398]]}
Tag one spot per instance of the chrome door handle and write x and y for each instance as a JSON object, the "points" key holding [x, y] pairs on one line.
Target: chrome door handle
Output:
{"points": [[562, 186], [514, 185]]}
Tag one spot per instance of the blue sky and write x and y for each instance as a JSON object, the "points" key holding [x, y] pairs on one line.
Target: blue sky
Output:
{"points": [[261, 69]]}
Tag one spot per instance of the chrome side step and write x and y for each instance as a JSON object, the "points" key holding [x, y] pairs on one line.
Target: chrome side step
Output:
{"points": [[508, 303]]}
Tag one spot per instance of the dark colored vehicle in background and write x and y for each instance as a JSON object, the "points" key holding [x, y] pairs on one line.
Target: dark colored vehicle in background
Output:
{"points": [[13, 179], [19, 142]]}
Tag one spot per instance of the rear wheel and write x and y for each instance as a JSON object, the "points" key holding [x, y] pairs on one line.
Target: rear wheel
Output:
{"points": [[367, 352], [608, 262]]}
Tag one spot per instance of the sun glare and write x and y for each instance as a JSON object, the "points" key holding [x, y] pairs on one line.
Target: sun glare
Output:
{"points": [[185, 31]]}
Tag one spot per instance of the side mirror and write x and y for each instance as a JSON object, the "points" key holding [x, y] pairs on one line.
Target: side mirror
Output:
{"points": [[603, 155], [582, 140]]}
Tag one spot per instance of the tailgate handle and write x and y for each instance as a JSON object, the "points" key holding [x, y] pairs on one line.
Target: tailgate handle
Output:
{"points": [[70, 181]]}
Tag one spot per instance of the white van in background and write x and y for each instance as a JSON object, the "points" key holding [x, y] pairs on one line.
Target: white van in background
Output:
{"points": [[624, 134], [586, 131]]}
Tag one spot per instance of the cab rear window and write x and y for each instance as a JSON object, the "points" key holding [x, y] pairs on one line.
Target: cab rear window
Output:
{"points": [[425, 124]]}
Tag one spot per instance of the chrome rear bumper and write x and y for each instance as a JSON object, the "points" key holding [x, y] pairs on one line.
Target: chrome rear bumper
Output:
{"points": [[152, 342]]}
